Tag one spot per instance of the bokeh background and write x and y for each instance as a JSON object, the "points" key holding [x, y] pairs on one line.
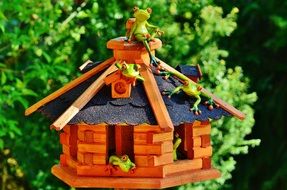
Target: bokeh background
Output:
{"points": [[240, 46]]}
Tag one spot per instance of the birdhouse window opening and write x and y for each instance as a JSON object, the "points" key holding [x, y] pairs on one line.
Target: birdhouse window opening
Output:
{"points": [[179, 152], [195, 142], [111, 140], [121, 141]]}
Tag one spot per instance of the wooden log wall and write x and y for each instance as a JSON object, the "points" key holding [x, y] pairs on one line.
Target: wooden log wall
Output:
{"points": [[92, 144], [68, 139], [152, 147], [196, 142]]}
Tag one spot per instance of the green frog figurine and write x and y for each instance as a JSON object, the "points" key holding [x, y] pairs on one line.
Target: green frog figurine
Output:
{"points": [[123, 162], [176, 143], [141, 32], [130, 70], [190, 88]]}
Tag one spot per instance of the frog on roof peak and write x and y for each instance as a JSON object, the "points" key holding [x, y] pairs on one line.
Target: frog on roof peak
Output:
{"points": [[141, 32]]}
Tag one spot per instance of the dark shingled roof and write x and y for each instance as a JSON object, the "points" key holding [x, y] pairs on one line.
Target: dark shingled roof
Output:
{"points": [[134, 110], [189, 70]]}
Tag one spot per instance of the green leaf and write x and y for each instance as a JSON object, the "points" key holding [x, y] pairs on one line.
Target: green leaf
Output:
{"points": [[47, 57], [1, 144], [2, 21], [29, 92], [3, 78], [22, 101]]}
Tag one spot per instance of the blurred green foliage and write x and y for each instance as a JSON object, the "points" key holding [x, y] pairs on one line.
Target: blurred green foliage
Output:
{"points": [[259, 45], [43, 42]]}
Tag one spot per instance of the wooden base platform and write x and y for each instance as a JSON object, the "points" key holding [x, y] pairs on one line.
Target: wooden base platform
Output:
{"points": [[69, 176]]}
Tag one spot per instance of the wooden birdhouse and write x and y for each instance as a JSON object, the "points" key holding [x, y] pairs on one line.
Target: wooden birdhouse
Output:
{"points": [[101, 116], [120, 85]]}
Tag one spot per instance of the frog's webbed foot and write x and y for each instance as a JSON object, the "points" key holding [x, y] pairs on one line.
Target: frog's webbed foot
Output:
{"points": [[109, 169], [210, 104], [132, 170], [167, 92], [140, 78], [153, 61], [165, 74], [195, 110]]}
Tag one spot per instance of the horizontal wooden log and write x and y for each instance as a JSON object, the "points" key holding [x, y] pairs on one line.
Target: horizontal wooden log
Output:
{"points": [[196, 123], [66, 129], [89, 136], [193, 124], [140, 138], [151, 137], [81, 136], [71, 162], [207, 122], [196, 141], [90, 158], [63, 160], [160, 137], [66, 149], [98, 128], [85, 158], [205, 141], [146, 128], [64, 138], [183, 165], [201, 130], [80, 157], [154, 160], [206, 163], [156, 149], [100, 138], [192, 142], [92, 148], [199, 152], [105, 170], [100, 159]]}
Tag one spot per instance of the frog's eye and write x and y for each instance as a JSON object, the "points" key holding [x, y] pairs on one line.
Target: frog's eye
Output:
{"points": [[137, 67], [124, 66], [135, 9], [149, 10], [124, 158]]}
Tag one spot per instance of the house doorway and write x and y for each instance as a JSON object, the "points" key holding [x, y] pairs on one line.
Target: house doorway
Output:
{"points": [[121, 140]]}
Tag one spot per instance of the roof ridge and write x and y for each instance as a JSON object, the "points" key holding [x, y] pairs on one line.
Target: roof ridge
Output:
{"points": [[155, 98]]}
